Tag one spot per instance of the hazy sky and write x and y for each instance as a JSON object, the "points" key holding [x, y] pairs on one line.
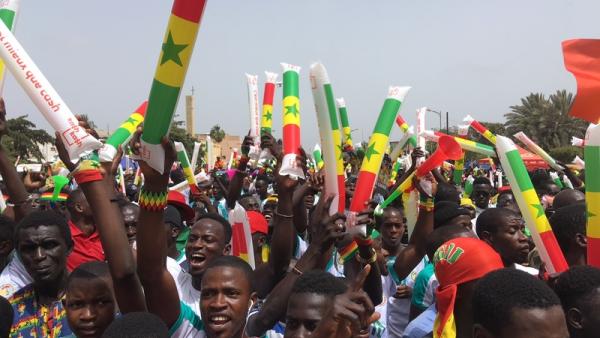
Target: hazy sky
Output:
{"points": [[476, 57]]}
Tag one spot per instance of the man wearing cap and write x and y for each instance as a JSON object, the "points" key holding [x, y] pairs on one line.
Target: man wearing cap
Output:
{"points": [[450, 213], [260, 230], [459, 263], [187, 215]]}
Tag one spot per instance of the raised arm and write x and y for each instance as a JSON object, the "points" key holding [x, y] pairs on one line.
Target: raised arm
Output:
{"points": [[237, 182], [16, 189], [410, 256], [159, 287]]}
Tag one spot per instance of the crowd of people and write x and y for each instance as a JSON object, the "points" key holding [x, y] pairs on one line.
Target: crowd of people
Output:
{"points": [[158, 262]]}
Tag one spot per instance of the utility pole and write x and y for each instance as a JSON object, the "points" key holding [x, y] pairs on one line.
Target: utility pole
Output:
{"points": [[439, 114]]}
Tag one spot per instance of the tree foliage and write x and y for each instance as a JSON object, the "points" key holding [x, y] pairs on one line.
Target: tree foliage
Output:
{"points": [[545, 120], [22, 139], [217, 134]]}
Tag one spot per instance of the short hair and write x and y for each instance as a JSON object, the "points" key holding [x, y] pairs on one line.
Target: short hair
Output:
{"points": [[233, 262], [567, 197], [137, 325], [45, 217], [500, 291], [575, 286], [6, 317], [218, 218], [263, 177], [7, 228], [482, 180], [443, 234], [447, 192], [88, 271], [319, 282], [567, 222], [489, 219]]}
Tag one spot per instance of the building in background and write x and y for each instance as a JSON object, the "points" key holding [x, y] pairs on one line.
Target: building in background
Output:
{"points": [[225, 147], [190, 111]]}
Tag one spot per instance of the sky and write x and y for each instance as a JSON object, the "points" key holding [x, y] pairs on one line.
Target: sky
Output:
{"points": [[463, 57]]}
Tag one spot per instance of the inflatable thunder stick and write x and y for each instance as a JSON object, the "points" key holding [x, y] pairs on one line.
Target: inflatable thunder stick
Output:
{"points": [[195, 153], [266, 123], [466, 145], [241, 237], [376, 149], [459, 167], [8, 14], [406, 129], [407, 138], [291, 121], [123, 133], [210, 160], [421, 128], [480, 128], [77, 141], [592, 194], [252, 81], [318, 157], [173, 63], [533, 147], [331, 138], [529, 204], [347, 132], [182, 157]]}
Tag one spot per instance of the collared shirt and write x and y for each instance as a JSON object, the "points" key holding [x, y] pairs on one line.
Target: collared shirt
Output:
{"points": [[85, 249], [13, 277], [32, 320], [422, 326]]}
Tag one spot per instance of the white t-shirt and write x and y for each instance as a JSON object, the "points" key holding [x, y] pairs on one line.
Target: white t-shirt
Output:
{"points": [[188, 295], [398, 309], [188, 325], [529, 270], [13, 277]]}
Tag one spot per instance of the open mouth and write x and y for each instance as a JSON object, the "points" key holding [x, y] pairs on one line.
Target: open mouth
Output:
{"points": [[217, 322], [197, 259]]}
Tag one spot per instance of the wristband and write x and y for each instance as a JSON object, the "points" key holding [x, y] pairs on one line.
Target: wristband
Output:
{"points": [[363, 241], [87, 171], [369, 260], [153, 201], [425, 202]]}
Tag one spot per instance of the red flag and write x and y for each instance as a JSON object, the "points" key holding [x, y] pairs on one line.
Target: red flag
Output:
{"points": [[582, 58]]}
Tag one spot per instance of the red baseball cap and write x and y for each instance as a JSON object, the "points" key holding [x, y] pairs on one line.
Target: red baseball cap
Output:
{"points": [[177, 199], [258, 222]]}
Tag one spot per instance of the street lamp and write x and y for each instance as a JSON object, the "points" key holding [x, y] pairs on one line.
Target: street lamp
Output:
{"points": [[439, 114]]}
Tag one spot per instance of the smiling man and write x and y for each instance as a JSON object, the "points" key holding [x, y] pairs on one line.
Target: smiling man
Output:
{"points": [[43, 241]]}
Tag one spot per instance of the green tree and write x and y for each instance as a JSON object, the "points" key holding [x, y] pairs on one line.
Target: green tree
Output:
{"points": [[22, 139], [545, 120], [217, 134]]}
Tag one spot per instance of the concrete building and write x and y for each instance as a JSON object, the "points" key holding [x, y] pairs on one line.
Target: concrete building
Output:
{"points": [[225, 147], [190, 110]]}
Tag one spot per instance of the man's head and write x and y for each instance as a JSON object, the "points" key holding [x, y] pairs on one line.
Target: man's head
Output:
{"points": [[579, 291], [226, 296], [506, 199], [482, 191], [450, 213], [269, 207], [567, 197], [568, 224], [312, 296], [136, 325], [262, 186], [173, 224], [43, 242], [459, 263], [391, 227], [7, 228], [509, 303], [89, 301], [259, 229], [131, 213], [78, 206], [503, 230], [443, 234], [209, 238], [250, 203]]}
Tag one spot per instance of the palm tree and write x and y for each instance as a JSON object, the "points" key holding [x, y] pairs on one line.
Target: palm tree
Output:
{"points": [[217, 134], [546, 121]]}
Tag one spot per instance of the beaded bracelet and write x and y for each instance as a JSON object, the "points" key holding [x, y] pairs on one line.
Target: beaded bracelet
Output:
{"points": [[87, 171], [425, 202], [153, 201]]}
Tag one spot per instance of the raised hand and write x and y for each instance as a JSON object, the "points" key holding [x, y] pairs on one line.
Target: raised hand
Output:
{"points": [[326, 229], [151, 175], [426, 185]]}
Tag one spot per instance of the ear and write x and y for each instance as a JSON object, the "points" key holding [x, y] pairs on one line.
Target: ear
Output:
{"points": [[481, 332], [574, 318], [581, 240], [175, 231], [227, 249], [486, 236], [78, 207]]}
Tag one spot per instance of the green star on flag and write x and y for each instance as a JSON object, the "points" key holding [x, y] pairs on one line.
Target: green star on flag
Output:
{"points": [[268, 116], [539, 209], [371, 151], [131, 120], [291, 110], [590, 215], [171, 51]]}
